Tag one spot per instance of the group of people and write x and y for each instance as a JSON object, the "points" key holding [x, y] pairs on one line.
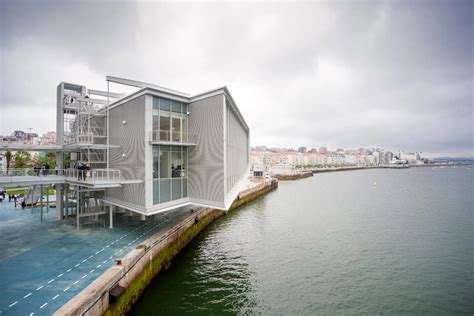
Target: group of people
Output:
{"points": [[12, 197], [82, 171], [41, 170]]}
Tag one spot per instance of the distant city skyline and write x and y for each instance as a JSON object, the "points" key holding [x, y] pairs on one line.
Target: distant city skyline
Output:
{"points": [[392, 74]]}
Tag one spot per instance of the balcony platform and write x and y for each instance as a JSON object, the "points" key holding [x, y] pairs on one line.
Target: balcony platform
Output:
{"points": [[30, 147], [95, 179], [162, 142]]}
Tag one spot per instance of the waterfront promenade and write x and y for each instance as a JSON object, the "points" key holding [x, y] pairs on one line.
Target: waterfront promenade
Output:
{"points": [[43, 265]]}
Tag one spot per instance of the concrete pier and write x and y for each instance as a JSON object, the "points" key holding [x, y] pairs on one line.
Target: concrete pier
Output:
{"points": [[118, 288]]}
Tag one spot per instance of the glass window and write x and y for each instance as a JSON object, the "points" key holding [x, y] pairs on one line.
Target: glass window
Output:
{"points": [[185, 163], [164, 162], [165, 104], [165, 190], [185, 187], [184, 108], [184, 135], [176, 106], [176, 128], [176, 189], [169, 170], [155, 162], [156, 102], [176, 164], [165, 126], [156, 191]]}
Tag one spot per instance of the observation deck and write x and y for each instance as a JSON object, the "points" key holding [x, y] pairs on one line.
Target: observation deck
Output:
{"points": [[94, 178]]}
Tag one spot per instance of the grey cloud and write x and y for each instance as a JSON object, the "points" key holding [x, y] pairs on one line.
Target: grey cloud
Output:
{"points": [[340, 74]]}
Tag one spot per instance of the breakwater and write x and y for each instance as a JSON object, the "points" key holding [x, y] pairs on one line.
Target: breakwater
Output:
{"points": [[115, 291], [344, 169], [294, 176]]}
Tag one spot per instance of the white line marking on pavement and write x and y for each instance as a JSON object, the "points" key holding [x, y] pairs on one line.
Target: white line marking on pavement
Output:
{"points": [[66, 289], [39, 288], [13, 304], [91, 271], [102, 249], [77, 265], [84, 260], [99, 266], [52, 280], [55, 296], [76, 282], [91, 256], [110, 257], [43, 305], [60, 275], [32, 314], [68, 270], [83, 276], [27, 295]]}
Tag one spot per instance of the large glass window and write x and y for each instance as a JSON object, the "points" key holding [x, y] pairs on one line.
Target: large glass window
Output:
{"points": [[169, 170], [176, 128], [176, 106], [165, 126], [169, 120], [165, 104], [164, 162]]}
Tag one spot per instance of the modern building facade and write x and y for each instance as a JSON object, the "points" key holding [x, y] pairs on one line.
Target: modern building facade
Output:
{"points": [[149, 151], [178, 149]]}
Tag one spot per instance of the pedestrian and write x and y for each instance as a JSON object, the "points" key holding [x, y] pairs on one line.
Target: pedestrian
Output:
{"points": [[9, 197], [46, 169], [87, 167], [80, 169], [23, 204], [36, 169], [15, 199]]}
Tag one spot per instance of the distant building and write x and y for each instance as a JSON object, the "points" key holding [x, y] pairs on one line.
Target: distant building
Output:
{"points": [[3, 163], [323, 150], [19, 134], [49, 138], [260, 148], [302, 149]]}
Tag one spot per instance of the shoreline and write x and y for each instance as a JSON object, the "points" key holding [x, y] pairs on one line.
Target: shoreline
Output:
{"points": [[119, 287]]}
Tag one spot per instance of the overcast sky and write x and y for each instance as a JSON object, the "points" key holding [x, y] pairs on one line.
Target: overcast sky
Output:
{"points": [[348, 74]]}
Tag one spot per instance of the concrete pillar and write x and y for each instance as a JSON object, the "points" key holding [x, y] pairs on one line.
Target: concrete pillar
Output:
{"points": [[59, 187], [41, 202], [59, 200], [142, 217], [47, 199], [77, 208], [111, 214]]}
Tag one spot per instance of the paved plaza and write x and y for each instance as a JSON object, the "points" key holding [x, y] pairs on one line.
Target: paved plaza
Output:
{"points": [[44, 264]]}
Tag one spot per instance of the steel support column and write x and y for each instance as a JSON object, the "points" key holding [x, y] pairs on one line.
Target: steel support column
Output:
{"points": [[111, 221]]}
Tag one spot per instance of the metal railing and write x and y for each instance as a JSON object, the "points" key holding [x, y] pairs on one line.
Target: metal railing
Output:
{"points": [[93, 175], [87, 138], [88, 176], [169, 136]]}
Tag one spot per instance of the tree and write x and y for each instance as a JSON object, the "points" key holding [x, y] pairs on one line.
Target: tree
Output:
{"points": [[8, 157], [22, 160], [49, 158]]}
